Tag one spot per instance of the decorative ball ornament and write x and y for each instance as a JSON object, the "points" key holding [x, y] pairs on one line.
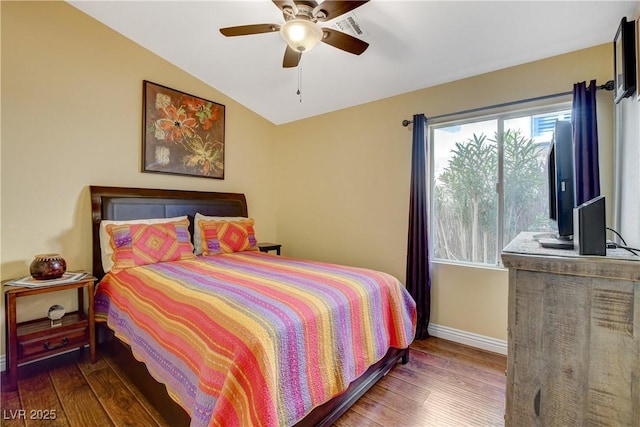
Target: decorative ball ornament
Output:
{"points": [[47, 266], [55, 313]]}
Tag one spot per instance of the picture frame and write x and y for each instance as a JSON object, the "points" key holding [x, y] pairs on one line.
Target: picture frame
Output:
{"points": [[183, 134], [638, 58], [624, 54]]}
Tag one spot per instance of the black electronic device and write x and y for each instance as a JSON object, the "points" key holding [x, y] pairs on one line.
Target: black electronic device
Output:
{"points": [[560, 168], [589, 222], [561, 179]]}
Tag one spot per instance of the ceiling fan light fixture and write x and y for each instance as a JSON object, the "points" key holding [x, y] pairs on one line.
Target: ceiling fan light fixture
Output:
{"points": [[301, 35]]}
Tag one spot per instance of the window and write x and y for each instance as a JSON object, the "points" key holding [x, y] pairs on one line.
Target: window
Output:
{"points": [[544, 123], [489, 182]]}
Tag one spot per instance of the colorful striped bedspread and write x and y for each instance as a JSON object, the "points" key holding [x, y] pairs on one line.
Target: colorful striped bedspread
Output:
{"points": [[255, 339]]}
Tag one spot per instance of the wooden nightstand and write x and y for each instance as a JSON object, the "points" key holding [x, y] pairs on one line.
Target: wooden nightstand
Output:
{"points": [[34, 339], [266, 247]]}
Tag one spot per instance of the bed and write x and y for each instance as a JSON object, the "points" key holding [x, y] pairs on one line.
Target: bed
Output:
{"points": [[307, 375]]}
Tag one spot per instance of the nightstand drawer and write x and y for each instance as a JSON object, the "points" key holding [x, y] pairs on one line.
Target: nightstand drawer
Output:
{"points": [[39, 339]]}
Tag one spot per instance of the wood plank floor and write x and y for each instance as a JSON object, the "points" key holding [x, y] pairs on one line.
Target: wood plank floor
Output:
{"points": [[444, 384]]}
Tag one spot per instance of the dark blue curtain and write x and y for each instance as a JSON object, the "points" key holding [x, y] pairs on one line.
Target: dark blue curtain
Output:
{"points": [[585, 138], [418, 280]]}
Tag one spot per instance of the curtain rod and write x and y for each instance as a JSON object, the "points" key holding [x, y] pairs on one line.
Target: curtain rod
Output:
{"points": [[607, 86]]}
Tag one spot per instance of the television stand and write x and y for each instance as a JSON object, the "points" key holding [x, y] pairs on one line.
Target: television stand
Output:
{"points": [[573, 337], [553, 243]]}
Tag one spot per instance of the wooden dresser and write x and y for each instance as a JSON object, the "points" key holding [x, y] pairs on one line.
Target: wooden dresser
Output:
{"points": [[574, 337]]}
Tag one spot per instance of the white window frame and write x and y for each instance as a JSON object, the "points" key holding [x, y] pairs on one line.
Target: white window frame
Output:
{"points": [[500, 116]]}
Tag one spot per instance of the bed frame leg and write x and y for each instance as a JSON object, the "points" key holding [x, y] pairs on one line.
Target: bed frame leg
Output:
{"points": [[405, 356]]}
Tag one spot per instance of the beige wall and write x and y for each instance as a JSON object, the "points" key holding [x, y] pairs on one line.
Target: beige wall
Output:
{"points": [[71, 117], [343, 180], [332, 187]]}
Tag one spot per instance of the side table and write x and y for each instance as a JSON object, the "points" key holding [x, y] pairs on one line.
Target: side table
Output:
{"points": [[266, 247], [34, 339]]}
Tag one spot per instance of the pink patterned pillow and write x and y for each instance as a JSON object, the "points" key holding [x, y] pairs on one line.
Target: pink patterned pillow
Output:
{"points": [[141, 244], [222, 237]]}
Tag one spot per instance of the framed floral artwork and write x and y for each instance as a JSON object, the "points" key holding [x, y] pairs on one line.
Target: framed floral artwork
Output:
{"points": [[182, 134]]}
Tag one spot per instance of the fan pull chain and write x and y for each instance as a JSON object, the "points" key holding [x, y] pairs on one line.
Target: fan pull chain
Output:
{"points": [[299, 92]]}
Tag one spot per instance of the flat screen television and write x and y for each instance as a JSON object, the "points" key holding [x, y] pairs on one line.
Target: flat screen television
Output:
{"points": [[560, 164]]}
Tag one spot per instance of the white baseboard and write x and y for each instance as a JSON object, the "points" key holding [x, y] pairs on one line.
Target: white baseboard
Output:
{"points": [[468, 338], [3, 363]]}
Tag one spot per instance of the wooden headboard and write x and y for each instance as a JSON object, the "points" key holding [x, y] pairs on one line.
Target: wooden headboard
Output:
{"points": [[121, 203]]}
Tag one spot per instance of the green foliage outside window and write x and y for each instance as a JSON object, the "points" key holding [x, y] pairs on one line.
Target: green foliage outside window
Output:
{"points": [[465, 226]]}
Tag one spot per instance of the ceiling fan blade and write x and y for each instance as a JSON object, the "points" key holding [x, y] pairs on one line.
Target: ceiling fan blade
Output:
{"points": [[291, 58], [287, 6], [344, 41], [332, 9], [245, 30]]}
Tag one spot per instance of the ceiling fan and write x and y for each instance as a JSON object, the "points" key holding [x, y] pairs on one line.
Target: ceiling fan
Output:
{"points": [[301, 30]]}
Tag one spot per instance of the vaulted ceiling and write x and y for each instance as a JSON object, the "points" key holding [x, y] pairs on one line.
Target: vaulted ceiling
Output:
{"points": [[413, 45]]}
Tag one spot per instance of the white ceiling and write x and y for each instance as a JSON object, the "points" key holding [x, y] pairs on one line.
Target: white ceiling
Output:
{"points": [[413, 45]]}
